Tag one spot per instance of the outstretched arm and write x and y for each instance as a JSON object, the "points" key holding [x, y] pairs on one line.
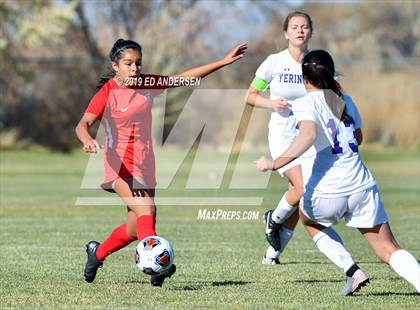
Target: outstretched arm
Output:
{"points": [[303, 141], [202, 71]]}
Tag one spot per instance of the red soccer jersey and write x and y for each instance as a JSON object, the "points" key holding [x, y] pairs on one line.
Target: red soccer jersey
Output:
{"points": [[126, 118]]}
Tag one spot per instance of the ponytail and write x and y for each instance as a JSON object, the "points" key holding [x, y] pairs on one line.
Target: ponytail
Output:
{"points": [[319, 70], [110, 74]]}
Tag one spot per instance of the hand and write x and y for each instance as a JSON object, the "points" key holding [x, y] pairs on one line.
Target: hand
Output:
{"points": [[237, 53], [279, 105], [263, 164], [91, 146]]}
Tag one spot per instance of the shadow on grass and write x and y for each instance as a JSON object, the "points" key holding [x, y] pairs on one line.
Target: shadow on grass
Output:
{"points": [[393, 294], [198, 285], [303, 263], [187, 288], [137, 282], [322, 262], [229, 283], [317, 281]]}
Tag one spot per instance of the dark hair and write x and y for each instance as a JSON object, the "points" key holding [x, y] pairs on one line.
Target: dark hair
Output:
{"points": [[115, 53], [319, 70], [297, 13]]}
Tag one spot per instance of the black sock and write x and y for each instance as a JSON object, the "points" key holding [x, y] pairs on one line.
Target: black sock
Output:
{"points": [[350, 272]]}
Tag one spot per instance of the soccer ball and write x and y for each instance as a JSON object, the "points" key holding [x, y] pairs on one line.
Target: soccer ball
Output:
{"points": [[154, 255]]}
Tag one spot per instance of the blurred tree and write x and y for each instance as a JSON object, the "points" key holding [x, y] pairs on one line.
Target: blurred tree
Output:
{"points": [[372, 43], [25, 27], [173, 37], [54, 51]]}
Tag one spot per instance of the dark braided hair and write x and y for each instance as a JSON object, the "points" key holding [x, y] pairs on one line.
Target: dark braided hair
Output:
{"points": [[319, 70], [119, 47]]}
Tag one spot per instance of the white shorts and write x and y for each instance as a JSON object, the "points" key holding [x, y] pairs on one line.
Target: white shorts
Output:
{"points": [[361, 210], [278, 143]]}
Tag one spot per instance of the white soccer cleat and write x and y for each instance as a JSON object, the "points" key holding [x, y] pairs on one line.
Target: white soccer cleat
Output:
{"points": [[270, 261], [354, 283]]}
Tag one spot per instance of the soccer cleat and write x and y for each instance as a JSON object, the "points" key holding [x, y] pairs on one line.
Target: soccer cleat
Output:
{"points": [[159, 279], [354, 283], [270, 261], [272, 230], [92, 263]]}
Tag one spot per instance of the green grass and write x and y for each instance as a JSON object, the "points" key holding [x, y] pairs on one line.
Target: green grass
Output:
{"points": [[43, 235]]}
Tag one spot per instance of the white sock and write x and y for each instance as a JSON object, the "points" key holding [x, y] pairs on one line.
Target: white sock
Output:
{"points": [[283, 211], [271, 253], [406, 266], [330, 243], [285, 236]]}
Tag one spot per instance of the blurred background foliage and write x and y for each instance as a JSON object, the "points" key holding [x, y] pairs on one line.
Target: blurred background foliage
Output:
{"points": [[52, 54]]}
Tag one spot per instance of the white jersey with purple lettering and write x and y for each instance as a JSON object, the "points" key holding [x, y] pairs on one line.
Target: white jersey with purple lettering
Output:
{"points": [[283, 75], [332, 166]]}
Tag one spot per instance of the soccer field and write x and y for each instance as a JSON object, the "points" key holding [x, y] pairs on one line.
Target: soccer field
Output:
{"points": [[43, 237]]}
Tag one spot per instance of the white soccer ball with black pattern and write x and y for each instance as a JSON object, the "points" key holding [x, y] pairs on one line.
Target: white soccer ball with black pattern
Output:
{"points": [[154, 255]]}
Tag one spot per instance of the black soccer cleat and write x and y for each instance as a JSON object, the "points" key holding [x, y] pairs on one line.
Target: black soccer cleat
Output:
{"points": [[159, 279], [272, 231], [92, 263]]}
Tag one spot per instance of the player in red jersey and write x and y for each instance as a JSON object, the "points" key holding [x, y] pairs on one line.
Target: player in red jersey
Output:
{"points": [[129, 164]]}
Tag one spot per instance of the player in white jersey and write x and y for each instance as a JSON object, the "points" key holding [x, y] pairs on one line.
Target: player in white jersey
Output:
{"points": [[337, 183], [282, 73]]}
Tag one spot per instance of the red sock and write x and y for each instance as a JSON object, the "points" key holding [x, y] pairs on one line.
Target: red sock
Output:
{"points": [[118, 239], [145, 226]]}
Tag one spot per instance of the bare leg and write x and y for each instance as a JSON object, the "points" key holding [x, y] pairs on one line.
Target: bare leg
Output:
{"points": [[329, 243], [141, 210], [285, 214], [382, 241], [293, 195], [131, 223], [311, 227], [290, 200], [140, 203], [295, 191]]}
